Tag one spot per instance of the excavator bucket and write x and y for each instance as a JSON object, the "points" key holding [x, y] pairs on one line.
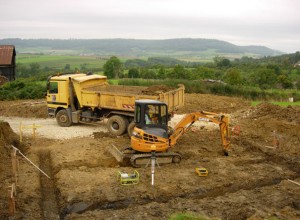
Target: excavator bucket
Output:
{"points": [[113, 150]]}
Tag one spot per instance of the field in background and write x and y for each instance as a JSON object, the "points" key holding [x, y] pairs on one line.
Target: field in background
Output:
{"points": [[282, 104], [60, 61]]}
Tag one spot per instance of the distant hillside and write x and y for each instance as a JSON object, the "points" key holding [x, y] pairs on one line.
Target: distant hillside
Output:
{"points": [[184, 47]]}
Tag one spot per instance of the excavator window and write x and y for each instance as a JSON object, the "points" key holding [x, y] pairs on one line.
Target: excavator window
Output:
{"points": [[137, 114], [155, 114], [151, 114]]}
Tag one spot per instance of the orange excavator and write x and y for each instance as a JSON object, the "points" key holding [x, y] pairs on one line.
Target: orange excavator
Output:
{"points": [[153, 138]]}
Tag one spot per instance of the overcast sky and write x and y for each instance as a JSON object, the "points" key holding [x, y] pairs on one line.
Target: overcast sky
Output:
{"points": [[271, 23]]}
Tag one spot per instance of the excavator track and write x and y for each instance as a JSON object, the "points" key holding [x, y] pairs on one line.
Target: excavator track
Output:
{"points": [[137, 160]]}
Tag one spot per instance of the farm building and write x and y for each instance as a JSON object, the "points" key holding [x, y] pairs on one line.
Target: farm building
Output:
{"points": [[8, 62]]}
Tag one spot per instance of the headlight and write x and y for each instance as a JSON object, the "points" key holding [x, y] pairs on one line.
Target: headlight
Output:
{"points": [[137, 135]]}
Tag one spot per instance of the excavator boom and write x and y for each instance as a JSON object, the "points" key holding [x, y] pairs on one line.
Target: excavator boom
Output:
{"points": [[185, 124]]}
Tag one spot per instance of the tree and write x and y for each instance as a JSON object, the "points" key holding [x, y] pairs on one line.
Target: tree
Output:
{"points": [[221, 61], [147, 74], [178, 72], [264, 77], [22, 71], [67, 67], [113, 68], [133, 73], [233, 76], [162, 73], [284, 81], [83, 66], [34, 68], [298, 83], [202, 72]]}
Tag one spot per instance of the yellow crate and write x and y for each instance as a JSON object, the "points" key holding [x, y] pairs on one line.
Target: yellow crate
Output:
{"points": [[201, 171]]}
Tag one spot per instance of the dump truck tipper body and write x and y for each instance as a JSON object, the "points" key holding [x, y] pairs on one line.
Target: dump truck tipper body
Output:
{"points": [[84, 98]]}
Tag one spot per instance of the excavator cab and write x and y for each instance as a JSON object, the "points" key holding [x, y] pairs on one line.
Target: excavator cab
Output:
{"points": [[151, 126], [152, 115]]}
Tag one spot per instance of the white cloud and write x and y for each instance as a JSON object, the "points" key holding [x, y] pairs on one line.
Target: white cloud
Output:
{"points": [[273, 23]]}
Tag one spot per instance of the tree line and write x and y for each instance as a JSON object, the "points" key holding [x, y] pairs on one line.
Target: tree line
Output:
{"points": [[266, 73], [249, 77]]}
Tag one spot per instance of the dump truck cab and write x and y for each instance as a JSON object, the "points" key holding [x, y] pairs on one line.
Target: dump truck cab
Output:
{"points": [[64, 90]]}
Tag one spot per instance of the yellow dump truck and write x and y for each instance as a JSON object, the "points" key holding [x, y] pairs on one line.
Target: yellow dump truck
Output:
{"points": [[87, 98]]}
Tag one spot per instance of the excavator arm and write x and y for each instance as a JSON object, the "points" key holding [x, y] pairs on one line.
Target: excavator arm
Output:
{"points": [[186, 123]]}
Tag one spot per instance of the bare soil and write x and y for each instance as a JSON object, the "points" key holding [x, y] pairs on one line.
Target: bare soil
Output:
{"points": [[256, 181], [155, 89]]}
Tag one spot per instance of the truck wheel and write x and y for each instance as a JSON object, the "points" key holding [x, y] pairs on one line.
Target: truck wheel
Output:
{"points": [[63, 119], [117, 125], [130, 128]]}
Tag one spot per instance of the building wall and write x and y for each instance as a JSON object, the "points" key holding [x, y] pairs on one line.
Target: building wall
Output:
{"points": [[8, 72]]}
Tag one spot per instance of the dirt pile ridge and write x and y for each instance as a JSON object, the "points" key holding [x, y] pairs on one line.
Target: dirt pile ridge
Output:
{"points": [[156, 89], [272, 129], [268, 110], [24, 108], [212, 103]]}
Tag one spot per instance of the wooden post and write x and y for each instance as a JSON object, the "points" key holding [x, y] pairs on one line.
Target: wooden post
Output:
{"points": [[14, 164], [11, 201], [21, 138], [33, 131], [33, 126]]}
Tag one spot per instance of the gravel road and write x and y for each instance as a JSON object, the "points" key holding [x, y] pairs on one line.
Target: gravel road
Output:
{"points": [[48, 128]]}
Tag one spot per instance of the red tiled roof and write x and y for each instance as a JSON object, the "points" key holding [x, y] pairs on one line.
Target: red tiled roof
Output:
{"points": [[6, 54]]}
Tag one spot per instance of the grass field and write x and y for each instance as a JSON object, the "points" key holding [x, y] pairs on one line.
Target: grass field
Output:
{"points": [[282, 104], [60, 61]]}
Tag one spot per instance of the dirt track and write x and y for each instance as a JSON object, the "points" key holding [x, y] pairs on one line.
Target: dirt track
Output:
{"points": [[252, 183]]}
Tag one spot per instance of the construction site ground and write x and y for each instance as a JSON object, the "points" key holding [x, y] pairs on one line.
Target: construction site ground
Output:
{"points": [[260, 179]]}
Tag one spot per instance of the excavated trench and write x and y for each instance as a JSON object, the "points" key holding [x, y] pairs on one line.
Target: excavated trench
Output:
{"points": [[197, 194], [291, 162], [49, 202]]}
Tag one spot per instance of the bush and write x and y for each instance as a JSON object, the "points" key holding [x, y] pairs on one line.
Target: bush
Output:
{"points": [[198, 86], [22, 89]]}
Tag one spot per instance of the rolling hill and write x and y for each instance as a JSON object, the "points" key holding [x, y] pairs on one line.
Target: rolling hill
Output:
{"points": [[181, 47]]}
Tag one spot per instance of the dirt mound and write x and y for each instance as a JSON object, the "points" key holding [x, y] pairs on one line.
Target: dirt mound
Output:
{"points": [[290, 114], [156, 89], [7, 138], [7, 135], [271, 129], [101, 134], [212, 103], [24, 108]]}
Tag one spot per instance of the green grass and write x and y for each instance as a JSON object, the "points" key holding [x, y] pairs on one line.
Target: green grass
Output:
{"points": [[189, 216], [60, 61], [282, 104]]}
